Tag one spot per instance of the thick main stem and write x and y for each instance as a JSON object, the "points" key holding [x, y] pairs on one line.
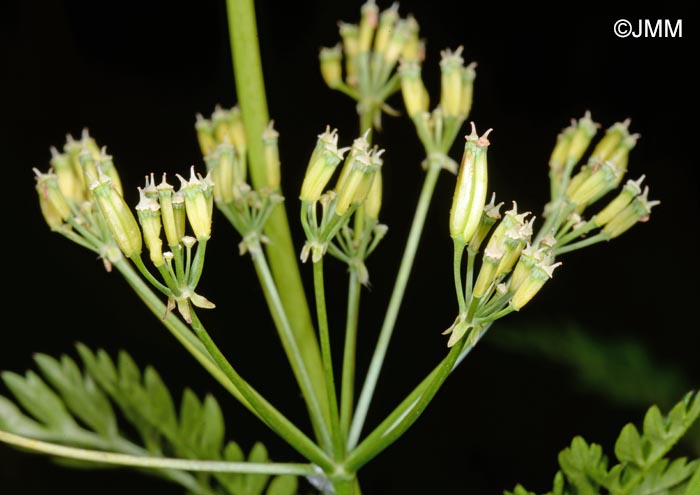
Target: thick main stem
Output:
{"points": [[250, 89], [394, 303]]}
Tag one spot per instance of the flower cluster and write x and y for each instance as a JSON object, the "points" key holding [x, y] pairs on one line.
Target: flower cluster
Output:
{"points": [[81, 198]]}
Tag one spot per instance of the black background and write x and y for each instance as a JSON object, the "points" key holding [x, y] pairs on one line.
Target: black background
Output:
{"points": [[135, 74]]}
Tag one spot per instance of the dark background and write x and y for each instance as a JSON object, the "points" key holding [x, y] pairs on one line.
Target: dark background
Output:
{"points": [[135, 74]]}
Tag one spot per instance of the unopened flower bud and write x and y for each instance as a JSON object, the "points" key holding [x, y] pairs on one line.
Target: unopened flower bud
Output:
{"points": [[271, 155], [601, 180], [368, 23], [529, 257], [106, 164], [637, 211], [373, 203], [331, 68], [387, 22], [487, 273], [117, 215], [68, 182], [470, 193], [237, 133], [52, 202], [349, 35], [222, 166], [415, 96], [399, 37], [560, 153], [581, 138], [488, 218], [88, 143], [196, 204], [620, 156], [205, 135], [148, 211], [535, 279], [88, 164], [361, 169], [467, 97], [323, 162], [514, 241], [170, 220], [511, 219], [413, 49], [628, 193], [612, 139], [451, 67]]}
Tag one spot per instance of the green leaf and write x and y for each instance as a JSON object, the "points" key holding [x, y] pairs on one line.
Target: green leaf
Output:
{"points": [[283, 485], [628, 447], [693, 487], [79, 393], [12, 420], [255, 483], [212, 426], [159, 407], [39, 400], [664, 476]]}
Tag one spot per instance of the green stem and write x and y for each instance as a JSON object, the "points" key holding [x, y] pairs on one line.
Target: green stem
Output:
{"points": [[268, 413], [322, 314], [347, 393], [118, 459], [138, 261], [179, 330], [198, 263], [471, 256], [394, 303], [296, 359], [250, 90], [457, 271], [394, 426], [581, 244]]}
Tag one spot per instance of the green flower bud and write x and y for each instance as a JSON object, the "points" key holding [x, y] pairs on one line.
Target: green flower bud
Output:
{"points": [[205, 135], [72, 148], [170, 219], [368, 23], [271, 155], [373, 203], [331, 67], [511, 219], [451, 68], [222, 165], [613, 137], [637, 211], [197, 204], [602, 179], [148, 211], [68, 182], [489, 217], [529, 257], [106, 164], [514, 241], [53, 204], [413, 48], [467, 97], [620, 156], [117, 215], [628, 193], [493, 254], [560, 153], [470, 193], [323, 162], [88, 164], [221, 123], [399, 37], [387, 21], [89, 144], [415, 96], [349, 35], [362, 168], [236, 133], [536, 277], [581, 138]]}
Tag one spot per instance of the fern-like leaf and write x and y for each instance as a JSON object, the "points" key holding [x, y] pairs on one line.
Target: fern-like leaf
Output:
{"points": [[642, 468], [69, 406]]}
